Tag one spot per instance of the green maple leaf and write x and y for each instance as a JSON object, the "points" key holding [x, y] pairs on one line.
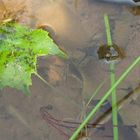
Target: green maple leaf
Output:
{"points": [[19, 49]]}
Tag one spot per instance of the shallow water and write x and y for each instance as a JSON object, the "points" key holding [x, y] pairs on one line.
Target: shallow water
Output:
{"points": [[79, 30]]}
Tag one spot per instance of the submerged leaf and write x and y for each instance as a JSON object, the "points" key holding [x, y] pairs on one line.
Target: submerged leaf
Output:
{"points": [[19, 49]]}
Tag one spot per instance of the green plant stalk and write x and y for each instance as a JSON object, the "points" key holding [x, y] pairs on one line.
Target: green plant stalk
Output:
{"points": [[91, 98], [112, 76], [114, 105], [108, 93], [108, 32], [95, 93]]}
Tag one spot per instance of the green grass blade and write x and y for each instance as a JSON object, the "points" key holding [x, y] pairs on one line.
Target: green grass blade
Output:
{"points": [[107, 26], [112, 76], [95, 93], [114, 104], [108, 93]]}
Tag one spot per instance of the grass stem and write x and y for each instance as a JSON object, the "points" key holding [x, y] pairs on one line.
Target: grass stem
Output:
{"points": [[108, 93], [112, 76]]}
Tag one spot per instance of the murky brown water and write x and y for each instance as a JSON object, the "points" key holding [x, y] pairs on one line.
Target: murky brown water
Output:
{"points": [[79, 31]]}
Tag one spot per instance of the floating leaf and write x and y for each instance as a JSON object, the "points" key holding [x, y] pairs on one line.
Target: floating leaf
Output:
{"points": [[19, 48]]}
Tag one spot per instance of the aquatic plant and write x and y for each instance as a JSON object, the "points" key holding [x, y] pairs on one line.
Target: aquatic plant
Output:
{"points": [[112, 77], [19, 48], [111, 91], [107, 94]]}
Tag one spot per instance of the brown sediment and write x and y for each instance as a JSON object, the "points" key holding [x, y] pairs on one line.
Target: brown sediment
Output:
{"points": [[135, 10], [11, 14]]}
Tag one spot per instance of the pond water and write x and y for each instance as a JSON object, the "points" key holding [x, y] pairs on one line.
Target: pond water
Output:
{"points": [[78, 28]]}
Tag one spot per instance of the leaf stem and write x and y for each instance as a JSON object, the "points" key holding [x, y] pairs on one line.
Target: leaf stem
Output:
{"points": [[42, 79]]}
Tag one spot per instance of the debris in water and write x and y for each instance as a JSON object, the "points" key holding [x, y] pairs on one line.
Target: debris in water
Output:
{"points": [[110, 52]]}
